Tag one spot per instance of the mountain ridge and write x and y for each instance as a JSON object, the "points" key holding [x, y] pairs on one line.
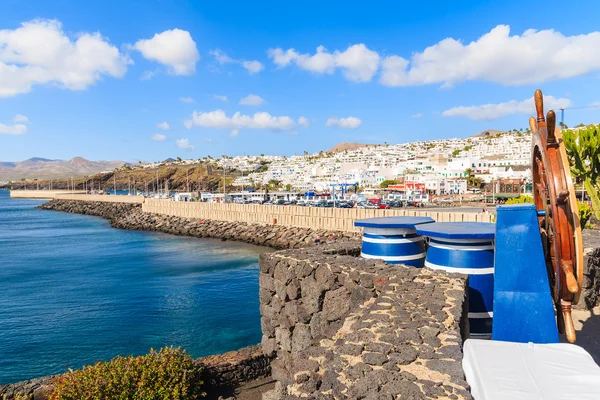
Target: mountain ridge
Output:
{"points": [[45, 168]]}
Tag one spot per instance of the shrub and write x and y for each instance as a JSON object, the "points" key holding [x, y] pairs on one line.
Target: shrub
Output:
{"points": [[585, 212], [166, 374], [519, 200], [19, 396]]}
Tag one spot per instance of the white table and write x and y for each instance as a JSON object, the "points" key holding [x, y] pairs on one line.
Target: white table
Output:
{"points": [[525, 371]]}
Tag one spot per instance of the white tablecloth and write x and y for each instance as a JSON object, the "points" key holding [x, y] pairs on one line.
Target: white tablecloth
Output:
{"points": [[503, 370]]}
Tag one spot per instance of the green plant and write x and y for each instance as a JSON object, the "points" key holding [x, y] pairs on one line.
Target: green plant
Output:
{"points": [[583, 150], [519, 200], [585, 212], [387, 183], [165, 374], [18, 396]]}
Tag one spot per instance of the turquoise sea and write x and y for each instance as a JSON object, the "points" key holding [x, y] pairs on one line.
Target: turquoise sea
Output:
{"points": [[73, 290]]}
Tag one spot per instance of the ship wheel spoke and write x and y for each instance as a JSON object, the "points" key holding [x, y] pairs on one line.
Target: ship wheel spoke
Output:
{"points": [[559, 224]]}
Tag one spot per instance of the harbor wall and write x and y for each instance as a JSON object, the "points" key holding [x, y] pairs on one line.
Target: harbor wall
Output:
{"points": [[338, 219], [39, 194]]}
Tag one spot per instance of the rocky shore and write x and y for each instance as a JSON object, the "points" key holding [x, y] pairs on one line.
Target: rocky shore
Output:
{"points": [[221, 374], [131, 216]]}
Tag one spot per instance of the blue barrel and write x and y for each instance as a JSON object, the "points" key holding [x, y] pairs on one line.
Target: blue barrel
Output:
{"points": [[466, 248], [393, 239]]}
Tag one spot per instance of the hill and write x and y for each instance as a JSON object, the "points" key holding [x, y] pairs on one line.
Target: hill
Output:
{"points": [[488, 132], [347, 146], [206, 177], [43, 168]]}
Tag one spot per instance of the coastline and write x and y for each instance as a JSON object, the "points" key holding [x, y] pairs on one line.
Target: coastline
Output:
{"points": [[221, 371], [131, 216]]}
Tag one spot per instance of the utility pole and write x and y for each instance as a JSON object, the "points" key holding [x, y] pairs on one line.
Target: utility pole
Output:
{"points": [[156, 181], [115, 183], [187, 179], [224, 186]]}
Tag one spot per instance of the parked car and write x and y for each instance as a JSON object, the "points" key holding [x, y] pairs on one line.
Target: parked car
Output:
{"points": [[383, 206]]}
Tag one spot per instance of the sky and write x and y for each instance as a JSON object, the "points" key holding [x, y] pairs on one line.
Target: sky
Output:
{"points": [[147, 80]]}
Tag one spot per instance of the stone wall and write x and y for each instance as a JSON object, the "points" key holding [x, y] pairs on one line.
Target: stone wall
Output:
{"points": [[590, 295], [234, 368], [218, 372], [338, 219], [329, 219], [346, 327]]}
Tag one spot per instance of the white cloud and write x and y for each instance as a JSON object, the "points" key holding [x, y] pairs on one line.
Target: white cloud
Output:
{"points": [[147, 75], [349, 123], [234, 132], [417, 115], [20, 118], [533, 57], [219, 120], [295, 133], [174, 48], [253, 67], [17, 129], [164, 126], [40, 52], [186, 99], [252, 100], [222, 98], [357, 62], [159, 137], [184, 144], [303, 122], [221, 57], [496, 111], [594, 104]]}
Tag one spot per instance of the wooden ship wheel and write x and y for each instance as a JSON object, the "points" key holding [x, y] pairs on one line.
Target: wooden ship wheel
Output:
{"points": [[555, 199]]}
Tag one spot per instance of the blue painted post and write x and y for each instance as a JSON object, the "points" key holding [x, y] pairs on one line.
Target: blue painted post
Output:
{"points": [[523, 307], [393, 239], [466, 248]]}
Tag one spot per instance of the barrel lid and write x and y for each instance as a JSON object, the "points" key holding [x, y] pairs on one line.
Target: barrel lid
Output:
{"points": [[458, 230], [392, 222]]}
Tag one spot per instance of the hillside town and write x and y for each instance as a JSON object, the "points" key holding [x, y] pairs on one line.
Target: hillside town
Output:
{"points": [[436, 167]]}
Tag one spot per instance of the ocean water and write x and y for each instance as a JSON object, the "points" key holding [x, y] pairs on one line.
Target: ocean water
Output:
{"points": [[73, 290]]}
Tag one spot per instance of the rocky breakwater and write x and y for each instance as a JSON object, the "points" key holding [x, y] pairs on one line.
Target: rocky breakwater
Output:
{"points": [[131, 216], [110, 211], [343, 327]]}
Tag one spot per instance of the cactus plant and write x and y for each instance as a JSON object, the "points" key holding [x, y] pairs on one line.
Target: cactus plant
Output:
{"points": [[583, 150]]}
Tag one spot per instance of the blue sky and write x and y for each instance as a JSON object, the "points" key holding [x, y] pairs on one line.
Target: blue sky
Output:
{"points": [[386, 74]]}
